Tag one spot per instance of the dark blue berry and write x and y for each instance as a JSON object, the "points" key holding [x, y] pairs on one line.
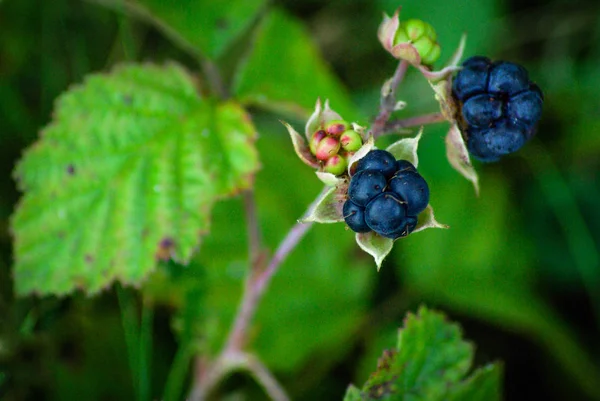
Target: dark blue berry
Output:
{"points": [[472, 79], [482, 110], [412, 189], [507, 78], [385, 214], [491, 143], [410, 223], [365, 185], [354, 216], [525, 108], [404, 165], [477, 61], [378, 160], [500, 107]]}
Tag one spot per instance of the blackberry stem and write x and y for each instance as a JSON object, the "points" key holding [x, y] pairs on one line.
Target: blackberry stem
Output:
{"points": [[388, 102], [392, 127]]}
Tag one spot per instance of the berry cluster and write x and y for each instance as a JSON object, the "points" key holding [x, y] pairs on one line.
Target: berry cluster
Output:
{"points": [[500, 106], [385, 196], [334, 144]]}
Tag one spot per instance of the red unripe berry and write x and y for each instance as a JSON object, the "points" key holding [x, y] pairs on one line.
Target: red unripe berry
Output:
{"points": [[317, 137], [328, 147]]}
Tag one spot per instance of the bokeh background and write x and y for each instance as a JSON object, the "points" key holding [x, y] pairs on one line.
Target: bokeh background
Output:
{"points": [[519, 268]]}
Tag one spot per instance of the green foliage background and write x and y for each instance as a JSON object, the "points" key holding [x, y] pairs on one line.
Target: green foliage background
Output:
{"points": [[519, 267]]}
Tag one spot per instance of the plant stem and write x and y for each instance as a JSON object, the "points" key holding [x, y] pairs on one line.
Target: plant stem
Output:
{"points": [[252, 227], [264, 377], [392, 127], [258, 279], [388, 102]]}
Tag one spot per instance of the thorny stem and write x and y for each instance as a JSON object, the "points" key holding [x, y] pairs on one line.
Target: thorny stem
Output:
{"points": [[388, 101]]}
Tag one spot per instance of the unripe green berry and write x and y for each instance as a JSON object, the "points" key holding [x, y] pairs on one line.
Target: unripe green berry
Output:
{"points": [[336, 165], [433, 55], [316, 138], [423, 38], [328, 147], [351, 141], [336, 127], [415, 28], [423, 46]]}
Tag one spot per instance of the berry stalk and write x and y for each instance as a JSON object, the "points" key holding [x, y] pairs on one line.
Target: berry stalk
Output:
{"points": [[389, 101]]}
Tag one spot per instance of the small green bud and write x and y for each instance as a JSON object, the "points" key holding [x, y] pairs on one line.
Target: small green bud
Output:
{"points": [[328, 147], [351, 141], [423, 38], [336, 165], [336, 127], [316, 138]]}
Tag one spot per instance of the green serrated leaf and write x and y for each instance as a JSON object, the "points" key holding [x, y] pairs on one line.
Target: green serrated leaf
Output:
{"points": [[483, 385], [353, 394], [285, 73], [429, 363], [125, 175], [204, 27]]}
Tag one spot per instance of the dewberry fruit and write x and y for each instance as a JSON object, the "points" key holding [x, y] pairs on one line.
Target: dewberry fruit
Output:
{"points": [[482, 110], [404, 165], [385, 214], [354, 216], [491, 143], [525, 108], [378, 160], [407, 227], [507, 78], [365, 185], [472, 79], [412, 189], [499, 106]]}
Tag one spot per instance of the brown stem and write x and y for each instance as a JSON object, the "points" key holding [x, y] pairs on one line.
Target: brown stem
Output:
{"points": [[392, 127], [388, 101]]}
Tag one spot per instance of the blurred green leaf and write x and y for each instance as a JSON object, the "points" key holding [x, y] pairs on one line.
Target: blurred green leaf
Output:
{"points": [[284, 71], [483, 385], [482, 267], [125, 175], [204, 27], [429, 363]]}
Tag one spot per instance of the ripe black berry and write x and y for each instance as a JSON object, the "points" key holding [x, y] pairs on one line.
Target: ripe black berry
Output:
{"points": [[507, 78], [354, 216], [412, 189], [482, 110], [404, 165], [365, 185], [499, 106], [491, 143], [378, 160], [385, 214]]}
